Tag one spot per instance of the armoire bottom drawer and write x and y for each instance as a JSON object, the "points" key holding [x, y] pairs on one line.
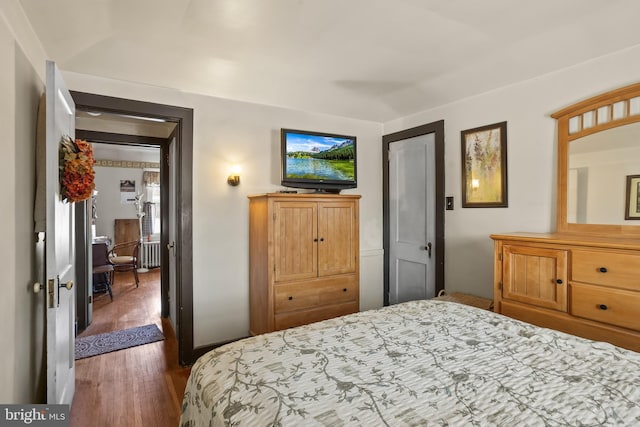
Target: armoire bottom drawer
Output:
{"points": [[315, 293], [613, 306]]}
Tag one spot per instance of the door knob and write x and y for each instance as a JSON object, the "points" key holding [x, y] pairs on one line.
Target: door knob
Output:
{"points": [[37, 287], [428, 249], [67, 285]]}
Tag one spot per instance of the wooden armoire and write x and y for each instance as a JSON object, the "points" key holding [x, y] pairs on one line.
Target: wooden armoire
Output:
{"points": [[304, 259]]}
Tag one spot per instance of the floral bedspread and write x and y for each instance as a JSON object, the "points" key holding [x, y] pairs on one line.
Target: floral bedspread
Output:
{"points": [[414, 364]]}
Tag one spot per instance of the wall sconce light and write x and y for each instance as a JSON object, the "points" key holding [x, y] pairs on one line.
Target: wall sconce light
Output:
{"points": [[234, 178]]}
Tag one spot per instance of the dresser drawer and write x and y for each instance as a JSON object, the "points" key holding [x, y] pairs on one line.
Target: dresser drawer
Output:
{"points": [[619, 270], [311, 294], [613, 306]]}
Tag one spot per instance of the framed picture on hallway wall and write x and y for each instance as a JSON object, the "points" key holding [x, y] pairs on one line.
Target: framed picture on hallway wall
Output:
{"points": [[127, 192], [484, 166]]}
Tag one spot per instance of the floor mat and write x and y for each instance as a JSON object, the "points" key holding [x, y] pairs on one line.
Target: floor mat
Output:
{"points": [[94, 345]]}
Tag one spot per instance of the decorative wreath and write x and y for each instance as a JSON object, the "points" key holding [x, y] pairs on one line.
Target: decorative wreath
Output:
{"points": [[76, 169]]}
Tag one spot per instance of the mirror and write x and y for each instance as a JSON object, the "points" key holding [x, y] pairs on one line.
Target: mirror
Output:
{"points": [[599, 164], [597, 175]]}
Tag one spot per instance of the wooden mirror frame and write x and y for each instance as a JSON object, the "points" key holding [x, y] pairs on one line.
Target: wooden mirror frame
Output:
{"points": [[577, 113]]}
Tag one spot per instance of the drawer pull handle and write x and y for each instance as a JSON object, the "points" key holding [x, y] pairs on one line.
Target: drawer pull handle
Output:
{"points": [[602, 307], [344, 289], [559, 281], [603, 269], [315, 240], [322, 239], [290, 298]]}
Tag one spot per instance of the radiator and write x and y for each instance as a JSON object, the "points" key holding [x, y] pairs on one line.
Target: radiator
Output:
{"points": [[150, 254]]}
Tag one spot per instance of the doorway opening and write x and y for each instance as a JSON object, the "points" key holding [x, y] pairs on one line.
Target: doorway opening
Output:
{"points": [[182, 141], [125, 221], [437, 247]]}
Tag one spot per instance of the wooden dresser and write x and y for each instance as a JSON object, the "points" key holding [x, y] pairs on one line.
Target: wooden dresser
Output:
{"points": [[304, 259], [580, 284]]}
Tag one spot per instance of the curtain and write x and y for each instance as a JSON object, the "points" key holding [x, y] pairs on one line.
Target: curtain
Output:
{"points": [[151, 219], [150, 178], [147, 220]]}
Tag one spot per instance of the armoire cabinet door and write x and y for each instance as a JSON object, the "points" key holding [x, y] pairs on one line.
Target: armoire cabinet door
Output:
{"points": [[536, 276], [337, 238], [294, 239]]}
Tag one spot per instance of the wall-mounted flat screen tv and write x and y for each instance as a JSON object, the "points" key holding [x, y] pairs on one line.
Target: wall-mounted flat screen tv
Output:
{"points": [[318, 160]]}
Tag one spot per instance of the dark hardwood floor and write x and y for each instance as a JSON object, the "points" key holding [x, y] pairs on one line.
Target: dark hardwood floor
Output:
{"points": [[140, 386]]}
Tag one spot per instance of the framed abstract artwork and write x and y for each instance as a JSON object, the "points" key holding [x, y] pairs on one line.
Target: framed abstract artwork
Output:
{"points": [[484, 166]]}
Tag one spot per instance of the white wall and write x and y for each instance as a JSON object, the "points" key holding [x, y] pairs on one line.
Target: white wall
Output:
{"points": [[531, 147], [108, 204], [230, 132], [108, 201], [21, 312]]}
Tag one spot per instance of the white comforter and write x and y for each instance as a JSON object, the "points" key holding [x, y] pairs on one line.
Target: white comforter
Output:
{"points": [[418, 363]]}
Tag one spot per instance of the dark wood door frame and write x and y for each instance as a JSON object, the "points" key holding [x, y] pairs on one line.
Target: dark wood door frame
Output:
{"points": [[183, 117], [438, 129]]}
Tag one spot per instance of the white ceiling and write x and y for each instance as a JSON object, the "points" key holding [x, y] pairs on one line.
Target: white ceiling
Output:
{"points": [[369, 59]]}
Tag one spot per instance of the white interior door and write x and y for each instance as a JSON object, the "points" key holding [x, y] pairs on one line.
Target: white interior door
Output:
{"points": [[412, 219], [59, 246], [173, 182]]}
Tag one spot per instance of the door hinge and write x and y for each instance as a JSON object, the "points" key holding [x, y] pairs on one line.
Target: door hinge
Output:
{"points": [[499, 285], [499, 257], [90, 299], [274, 217], [274, 268]]}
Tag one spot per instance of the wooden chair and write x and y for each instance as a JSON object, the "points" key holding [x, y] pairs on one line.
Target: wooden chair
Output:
{"points": [[124, 257], [102, 269]]}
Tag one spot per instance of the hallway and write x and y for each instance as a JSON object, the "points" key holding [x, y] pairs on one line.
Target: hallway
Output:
{"points": [[139, 386]]}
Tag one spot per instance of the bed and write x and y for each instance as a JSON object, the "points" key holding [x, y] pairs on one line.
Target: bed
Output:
{"points": [[418, 363]]}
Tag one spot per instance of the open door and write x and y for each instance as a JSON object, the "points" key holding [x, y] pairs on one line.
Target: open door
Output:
{"points": [[56, 219], [171, 246]]}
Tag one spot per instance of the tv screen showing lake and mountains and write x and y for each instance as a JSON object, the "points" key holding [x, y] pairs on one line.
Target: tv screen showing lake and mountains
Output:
{"points": [[320, 157]]}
